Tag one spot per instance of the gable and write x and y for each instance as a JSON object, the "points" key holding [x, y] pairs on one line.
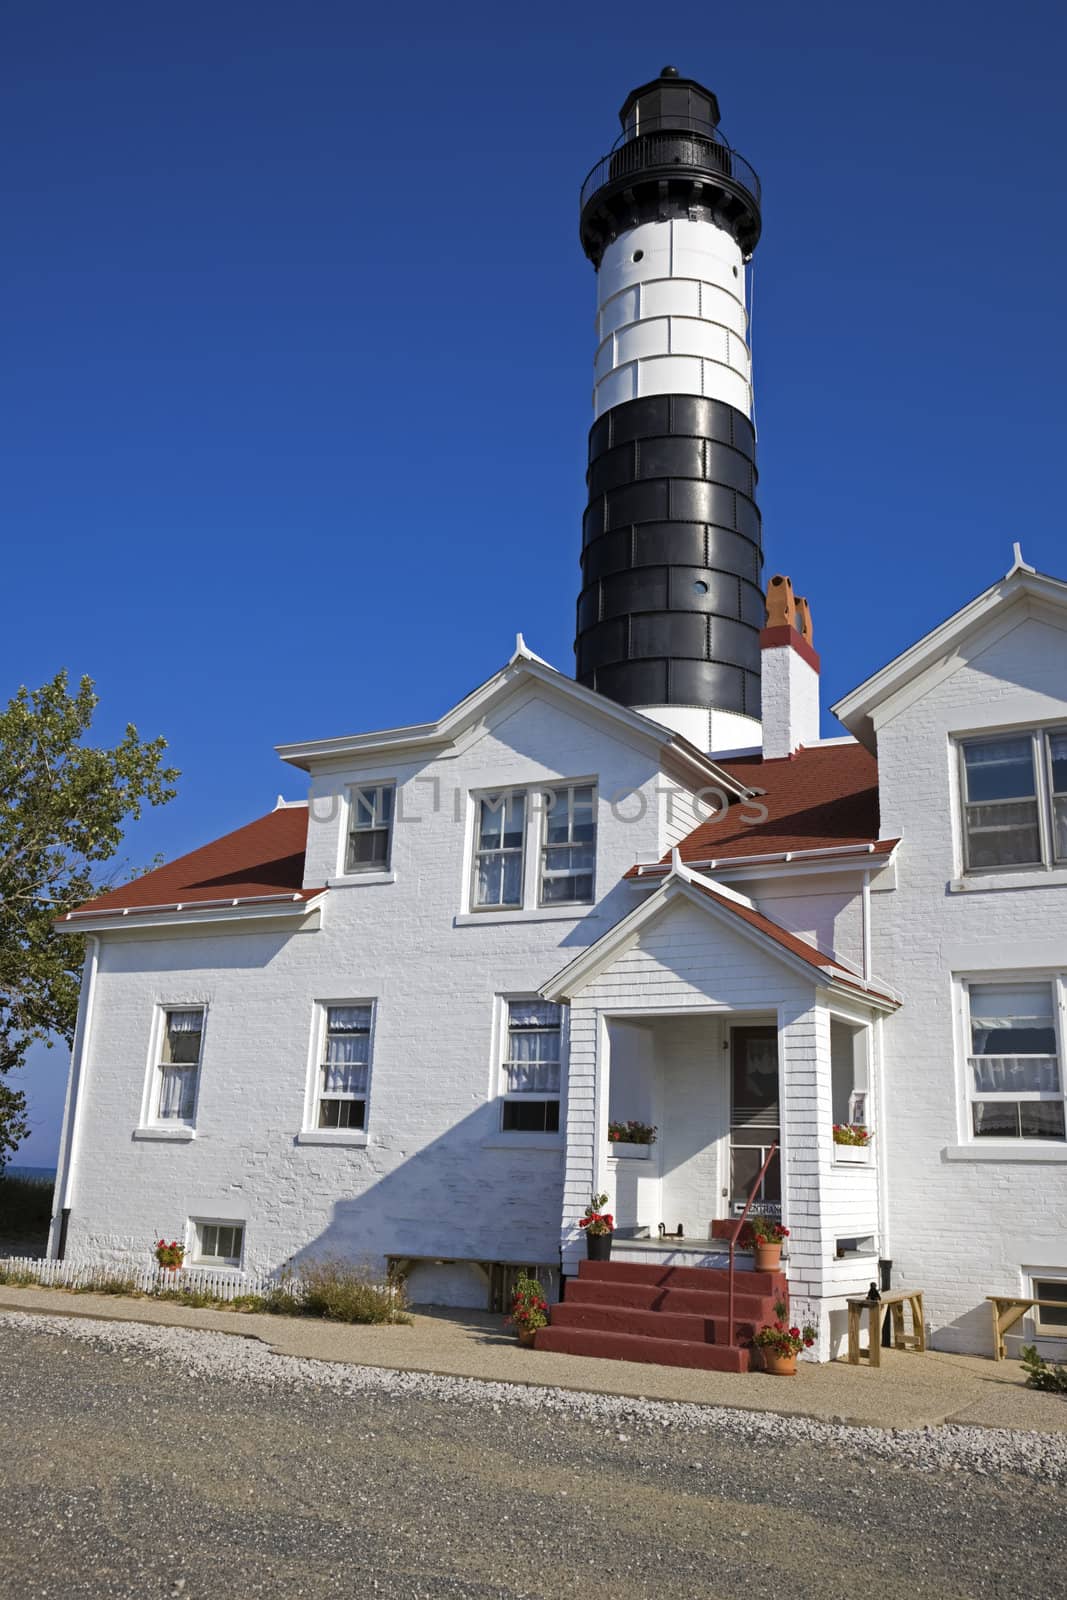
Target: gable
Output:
{"points": [[684, 956], [1022, 595]]}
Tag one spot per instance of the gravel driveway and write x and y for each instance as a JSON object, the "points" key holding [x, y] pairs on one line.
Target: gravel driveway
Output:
{"points": [[143, 1461]]}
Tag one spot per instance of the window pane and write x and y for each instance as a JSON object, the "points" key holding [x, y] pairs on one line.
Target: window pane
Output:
{"points": [[533, 1014], [209, 1240], [342, 1113], [369, 849], [1000, 769], [1051, 1289], [1059, 827], [995, 1119], [1057, 748], [1002, 835], [1015, 1074], [531, 1116], [177, 1094], [1041, 1119], [1012, 1019], [181, 1044], [348, 1019]]}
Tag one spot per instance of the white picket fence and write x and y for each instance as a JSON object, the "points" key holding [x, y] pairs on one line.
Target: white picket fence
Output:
{"points": [[223, 1284]]}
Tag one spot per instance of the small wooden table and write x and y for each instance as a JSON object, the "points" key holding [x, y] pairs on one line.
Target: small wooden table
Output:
{"points": [[893, 1300], [1008, 1309]]}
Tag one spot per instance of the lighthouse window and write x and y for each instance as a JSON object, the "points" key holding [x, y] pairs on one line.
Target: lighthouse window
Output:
{"points": [[700, 587], [638, 255]]}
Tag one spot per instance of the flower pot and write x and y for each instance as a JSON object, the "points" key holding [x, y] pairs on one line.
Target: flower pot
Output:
{"points": [[768, 1257], [780, 1366], [620, 1150], [527, 1337], [598, 1246], [854, 1154]]}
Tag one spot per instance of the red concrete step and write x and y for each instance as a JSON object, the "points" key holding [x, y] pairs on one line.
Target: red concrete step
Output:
{"points": [[638, 1347], [653, 1324], [708, 1280], [647, 1297]]}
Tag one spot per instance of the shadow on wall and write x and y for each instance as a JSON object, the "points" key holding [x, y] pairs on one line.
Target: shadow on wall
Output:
{"points": [[454, 1202], [970, 1334]]}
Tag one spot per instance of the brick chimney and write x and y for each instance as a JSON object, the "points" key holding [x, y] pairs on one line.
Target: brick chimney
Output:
{"points": [[790, 673]]}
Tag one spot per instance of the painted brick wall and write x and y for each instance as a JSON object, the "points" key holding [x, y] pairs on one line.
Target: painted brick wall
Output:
{"points": [[961, 1229], [436, 1177]]}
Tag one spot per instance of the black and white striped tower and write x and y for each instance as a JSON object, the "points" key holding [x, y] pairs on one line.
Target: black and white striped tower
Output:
{"points": [[671, 605]]}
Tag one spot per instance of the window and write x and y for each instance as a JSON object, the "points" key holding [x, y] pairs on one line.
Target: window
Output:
{"points": [[554, 867], [568, 849], [345, 1070], [346, 1066], [531, 1069], [1014, 794], [219, 1243], [1014, 1069], [371, 828], [1050, 1321], [499, 852], [179, 1064]]}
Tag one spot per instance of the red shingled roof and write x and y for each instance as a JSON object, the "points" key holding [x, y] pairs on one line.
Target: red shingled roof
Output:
{"points": [[820, 799], [266, 857]]}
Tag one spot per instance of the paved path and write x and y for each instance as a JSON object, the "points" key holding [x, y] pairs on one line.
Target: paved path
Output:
{"points": [[176, 1465], [908, 1391]]}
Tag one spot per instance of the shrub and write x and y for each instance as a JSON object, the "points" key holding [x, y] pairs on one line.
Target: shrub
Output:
{"points": [[106, 1283], [17, 1277], [341, 1292], [1042, 1374]]}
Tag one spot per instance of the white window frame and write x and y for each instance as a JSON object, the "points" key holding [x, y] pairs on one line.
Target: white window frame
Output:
{"points": [[154, 1117], [1040, 737], [1057, 981], [312, 1132], [194, 1248], [1038, 1275], [544, 873], [504, 1093], [371, 869], [533, 848]]}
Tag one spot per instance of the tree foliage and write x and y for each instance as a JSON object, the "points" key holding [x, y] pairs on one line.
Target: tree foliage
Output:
{"points": [[63, 807]]}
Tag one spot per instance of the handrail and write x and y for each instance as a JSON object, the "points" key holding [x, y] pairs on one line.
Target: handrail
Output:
{"points": [[652, 152], [730, 1325]]}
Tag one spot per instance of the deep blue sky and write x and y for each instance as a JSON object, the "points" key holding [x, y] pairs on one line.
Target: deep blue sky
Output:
{"points": [[297, 360]]}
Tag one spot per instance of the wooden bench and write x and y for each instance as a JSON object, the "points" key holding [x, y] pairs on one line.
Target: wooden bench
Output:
{"points": [[894, 1300], [1008, 1309]]}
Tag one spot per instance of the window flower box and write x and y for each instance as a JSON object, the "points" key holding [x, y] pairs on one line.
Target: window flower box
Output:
{"points": [[621, 1150], [852, 1155]]}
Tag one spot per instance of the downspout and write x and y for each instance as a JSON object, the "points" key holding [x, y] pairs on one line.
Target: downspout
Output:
{"points": [[866, 906], [72, 1119]]}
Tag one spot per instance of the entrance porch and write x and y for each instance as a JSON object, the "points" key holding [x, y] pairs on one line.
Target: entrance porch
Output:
{"points": [[722, 1033]]}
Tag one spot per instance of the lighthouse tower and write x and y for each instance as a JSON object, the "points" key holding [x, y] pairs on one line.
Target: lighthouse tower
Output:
{"points": [[671, 605]]}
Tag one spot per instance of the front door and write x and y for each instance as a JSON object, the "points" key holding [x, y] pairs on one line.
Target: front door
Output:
{"points": [[754, 1120]]}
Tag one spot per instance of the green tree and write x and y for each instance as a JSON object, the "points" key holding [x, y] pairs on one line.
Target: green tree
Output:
{"points": [[63, 807]]}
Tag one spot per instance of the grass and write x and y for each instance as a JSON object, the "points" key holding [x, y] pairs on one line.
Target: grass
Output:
{"points": [[336, 1291]]}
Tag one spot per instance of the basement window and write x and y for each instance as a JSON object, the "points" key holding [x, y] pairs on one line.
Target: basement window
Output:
{"points": [[218, 1244]]}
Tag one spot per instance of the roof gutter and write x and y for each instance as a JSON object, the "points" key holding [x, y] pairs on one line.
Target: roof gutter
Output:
{"points": [[658, 869], [89, 913]]}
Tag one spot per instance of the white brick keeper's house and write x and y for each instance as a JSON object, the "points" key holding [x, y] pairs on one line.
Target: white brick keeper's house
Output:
{"points": [[395, 1021]]}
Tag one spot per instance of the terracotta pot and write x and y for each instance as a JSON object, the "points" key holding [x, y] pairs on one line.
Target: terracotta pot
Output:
{"points": [[768, 1257], [527, 1337], [780, 1366], [598, 1246]]}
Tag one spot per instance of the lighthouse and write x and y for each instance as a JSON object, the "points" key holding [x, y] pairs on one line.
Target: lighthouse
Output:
{"points": [[671, 604]]}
